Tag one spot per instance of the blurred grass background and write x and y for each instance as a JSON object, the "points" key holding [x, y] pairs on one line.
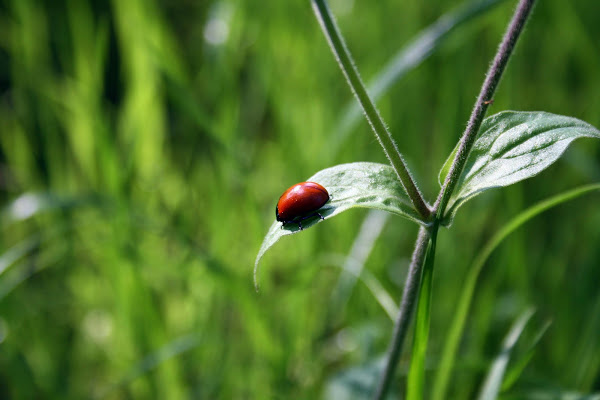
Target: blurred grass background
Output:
{"points": [[143, 146]]}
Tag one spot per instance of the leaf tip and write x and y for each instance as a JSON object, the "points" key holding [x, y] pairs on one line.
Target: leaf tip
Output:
{"points": [[255, 274]]}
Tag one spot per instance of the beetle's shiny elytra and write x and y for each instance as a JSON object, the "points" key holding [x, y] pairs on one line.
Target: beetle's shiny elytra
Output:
{"points": [[300, 202]]}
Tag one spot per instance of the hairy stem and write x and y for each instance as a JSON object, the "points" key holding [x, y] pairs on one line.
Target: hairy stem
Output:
{"points": [[483, 101], [344, 59], [409, 295], [411, 288]]}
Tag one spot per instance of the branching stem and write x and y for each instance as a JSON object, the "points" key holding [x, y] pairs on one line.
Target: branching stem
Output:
{"points": [[435, 215], [344, 59], [484, 100], [411, 288]]}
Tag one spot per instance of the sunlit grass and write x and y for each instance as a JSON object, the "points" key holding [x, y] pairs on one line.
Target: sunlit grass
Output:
{"points": [[163, 152]]}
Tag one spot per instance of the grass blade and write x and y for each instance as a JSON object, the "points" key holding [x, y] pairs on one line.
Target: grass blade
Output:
{"points": [[464, 304], [416, 373], [519, 366], [353, 265], [493, 381], [170, 350]]}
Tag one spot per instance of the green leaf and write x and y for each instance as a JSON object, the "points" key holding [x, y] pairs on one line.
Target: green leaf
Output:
{"points": [[446, 167], [513, 146], [360, 184], [493, 381]]}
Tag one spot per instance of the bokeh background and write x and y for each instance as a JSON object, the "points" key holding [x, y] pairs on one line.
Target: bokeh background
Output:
{"points": [[143, 146]]}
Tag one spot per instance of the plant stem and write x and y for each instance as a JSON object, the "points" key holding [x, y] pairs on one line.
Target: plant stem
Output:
{"points": [[415, 384], [344, 59], [411, 290], [483, 101]]}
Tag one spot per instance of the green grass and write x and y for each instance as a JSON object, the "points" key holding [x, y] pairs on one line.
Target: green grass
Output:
{"points": [[159, 157]]}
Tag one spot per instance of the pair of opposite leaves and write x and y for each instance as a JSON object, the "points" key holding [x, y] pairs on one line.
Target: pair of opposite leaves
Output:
{"points": [[510, 147]]}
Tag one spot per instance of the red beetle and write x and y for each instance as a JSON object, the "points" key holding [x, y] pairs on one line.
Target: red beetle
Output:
{"points": [[301, 202]]}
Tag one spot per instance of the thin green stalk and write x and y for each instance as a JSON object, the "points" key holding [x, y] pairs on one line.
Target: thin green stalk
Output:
{"points": [[464, 304], [488, 89], [486, 94], [408, 58], [344, 59], [416, 373], [409, 295]]}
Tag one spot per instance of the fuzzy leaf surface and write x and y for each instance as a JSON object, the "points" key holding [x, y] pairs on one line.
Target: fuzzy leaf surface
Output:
{"points": [[359, 184], [512, 146]]}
